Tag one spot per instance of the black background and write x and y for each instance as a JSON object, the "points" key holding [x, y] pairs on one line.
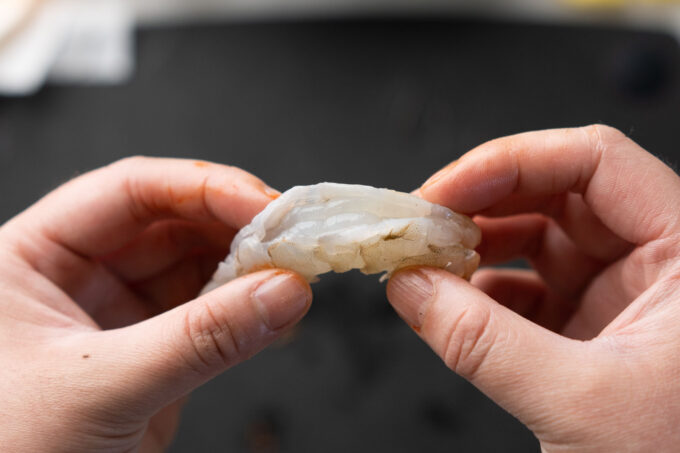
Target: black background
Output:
{"points": [[381, 102]]}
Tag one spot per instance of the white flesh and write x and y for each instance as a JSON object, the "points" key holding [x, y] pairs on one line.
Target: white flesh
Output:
{"points": [[337, 227]]}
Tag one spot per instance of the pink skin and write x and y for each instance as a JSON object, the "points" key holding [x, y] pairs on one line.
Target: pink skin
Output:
{"points": [[100, 345], [584, 348]]}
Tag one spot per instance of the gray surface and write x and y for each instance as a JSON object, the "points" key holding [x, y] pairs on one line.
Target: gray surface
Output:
{"points": [[379, 102]]}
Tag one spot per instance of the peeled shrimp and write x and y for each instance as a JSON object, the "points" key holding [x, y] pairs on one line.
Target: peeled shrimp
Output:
{"points": [[337, 227]]}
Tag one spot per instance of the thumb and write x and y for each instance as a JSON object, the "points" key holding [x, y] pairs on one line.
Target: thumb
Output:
{"points": [[517, 363], [151, 364]]}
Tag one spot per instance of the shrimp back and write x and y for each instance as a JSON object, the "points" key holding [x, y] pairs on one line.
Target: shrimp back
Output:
{"points": [[337, 227]]}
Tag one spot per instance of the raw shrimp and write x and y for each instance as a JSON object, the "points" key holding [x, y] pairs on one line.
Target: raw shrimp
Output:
{"points": [[337, 227]]}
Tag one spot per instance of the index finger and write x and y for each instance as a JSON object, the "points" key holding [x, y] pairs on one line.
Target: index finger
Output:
{"points": [[99, 212], [626, 187]]}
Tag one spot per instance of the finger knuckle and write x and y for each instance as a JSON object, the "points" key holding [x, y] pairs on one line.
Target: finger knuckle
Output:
{"points": [[212, 344], [470, 340], [140, 195], [174, 235], [604, 136]]}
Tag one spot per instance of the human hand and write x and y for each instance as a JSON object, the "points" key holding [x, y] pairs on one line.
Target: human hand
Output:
{"points": [[584, 348], [121, 249]]}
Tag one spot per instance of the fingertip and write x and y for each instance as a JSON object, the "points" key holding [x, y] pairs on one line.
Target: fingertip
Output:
{"points": [[482, 277], [474, 185], [262, 189], [460, 186], [411, 290], [237, 195], [270, 192], [281, 299], [438, 176]]}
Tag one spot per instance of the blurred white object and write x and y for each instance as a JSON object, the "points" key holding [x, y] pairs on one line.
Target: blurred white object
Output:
{"points": [[14, 14], [69, 41], [99, 47], [31, 42]]}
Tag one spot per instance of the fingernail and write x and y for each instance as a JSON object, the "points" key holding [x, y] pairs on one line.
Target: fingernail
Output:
{"points": [[281, 300], [410, 291], [271, 193], [439, 175]]}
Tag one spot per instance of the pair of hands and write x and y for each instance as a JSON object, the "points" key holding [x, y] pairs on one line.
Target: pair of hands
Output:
{"points": [[99, 346]]}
